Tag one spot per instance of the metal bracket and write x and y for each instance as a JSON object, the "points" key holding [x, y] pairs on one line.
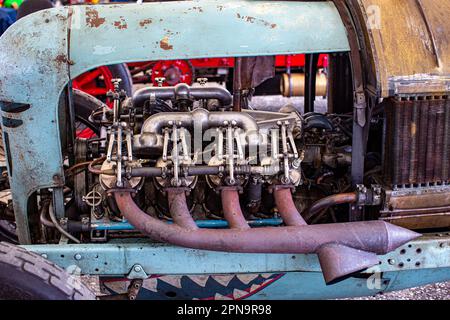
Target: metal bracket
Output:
{"points": [[137, 272]]}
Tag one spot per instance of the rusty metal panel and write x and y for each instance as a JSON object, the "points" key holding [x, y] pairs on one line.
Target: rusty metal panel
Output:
{"points": [[418, 208], [201, 29], [410, 44], [33, 72]]}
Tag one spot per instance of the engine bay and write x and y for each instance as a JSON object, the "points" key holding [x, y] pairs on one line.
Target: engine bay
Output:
{"points": [[190, 138]]}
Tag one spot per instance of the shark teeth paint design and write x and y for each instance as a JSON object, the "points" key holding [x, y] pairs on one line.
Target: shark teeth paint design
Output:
{"points": [[116, 286], [172, 280], [267, 282], [218, 296], [237, 294], [247, 278], [255, 287], [200, 280], [224, 280], [151, 284], [197, 287]]}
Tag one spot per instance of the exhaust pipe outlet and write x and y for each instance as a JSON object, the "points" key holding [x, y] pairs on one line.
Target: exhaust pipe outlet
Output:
{"points": [[338, 261], [343, 248]]}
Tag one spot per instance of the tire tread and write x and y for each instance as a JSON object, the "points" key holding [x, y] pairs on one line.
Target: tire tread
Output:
{"points": [[47, 272]]}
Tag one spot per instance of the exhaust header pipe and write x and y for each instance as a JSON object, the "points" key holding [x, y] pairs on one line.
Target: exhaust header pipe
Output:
{"points": [[342, 248]]}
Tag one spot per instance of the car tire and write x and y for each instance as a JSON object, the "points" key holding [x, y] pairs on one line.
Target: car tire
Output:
{"points": [[122, 72], [27, 276], [84, 105]]}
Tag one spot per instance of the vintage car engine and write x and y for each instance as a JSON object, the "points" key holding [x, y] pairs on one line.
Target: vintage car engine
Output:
{"points": [[178, 164], [188, 137]]}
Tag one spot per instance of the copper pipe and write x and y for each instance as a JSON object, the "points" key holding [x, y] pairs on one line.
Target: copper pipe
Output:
{"points": [[232, 209], [77, 166], [373, 236], [95, 162], [42, 217], [286, 207], [237, 85], [325, 203]]}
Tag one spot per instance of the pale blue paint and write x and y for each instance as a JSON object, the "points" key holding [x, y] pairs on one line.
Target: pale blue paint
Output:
{"points": [[310, 285], [303, 278], [167, 259], [200, 29]]}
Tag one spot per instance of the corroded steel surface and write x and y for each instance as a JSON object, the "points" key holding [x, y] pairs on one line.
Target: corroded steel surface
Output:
{"points": [[417, 149], [409, 40], [330, 201], [343, 248], [374, 236], [232, 209], [179, 210], [286, 207], [337, 260]]}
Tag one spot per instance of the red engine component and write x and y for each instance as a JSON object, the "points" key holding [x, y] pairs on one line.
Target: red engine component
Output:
{"points": [[174, 72], [96, 82], [213, 63], [177, 71], [295, 60], [298, 60]]}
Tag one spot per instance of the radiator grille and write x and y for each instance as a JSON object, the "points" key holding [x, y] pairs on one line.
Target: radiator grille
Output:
{"points": [[417, 141]]}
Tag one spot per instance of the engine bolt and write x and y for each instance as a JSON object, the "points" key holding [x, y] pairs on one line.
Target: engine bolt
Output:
{"points": [[137, 269], [77, 256]]}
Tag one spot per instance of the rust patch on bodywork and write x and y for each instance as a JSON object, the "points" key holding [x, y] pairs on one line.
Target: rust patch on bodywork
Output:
{"points": [[256, 20], [199, 9], [121, 24], [418, 32], [164, 44], [92, 18], [62, 59], [144, 22]]}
